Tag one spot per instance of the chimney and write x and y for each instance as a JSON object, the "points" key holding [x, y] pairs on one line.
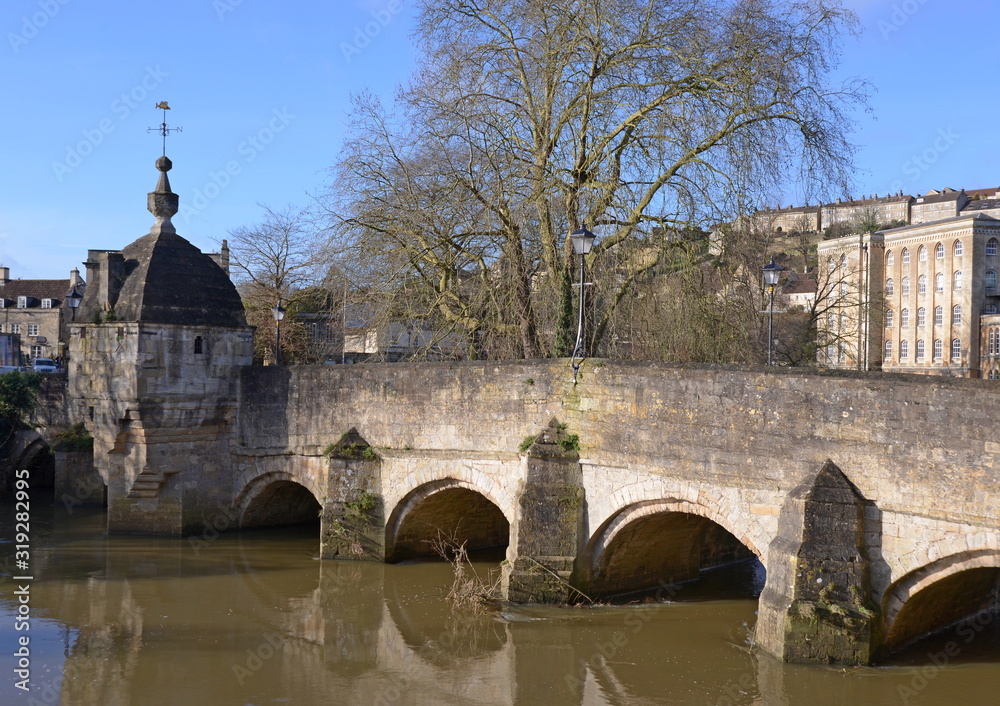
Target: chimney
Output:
{"points": [[4, 275], [74, 279]]}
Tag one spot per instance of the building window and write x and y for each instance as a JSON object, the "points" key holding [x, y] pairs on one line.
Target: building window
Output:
{"points": [[1, 328], [921, 316], [888, 318], [906, 256], [36, 352], [890, 259], [904, 349], [920, 349], [46, 303], [922, 254], [938, 349], [956, 349], [990, 309], [197, 345], [939, 251], [922, 284], [906, 286], [938, 315], [888, 350], [32, 329], [904, 317], [15, 328], [958, 279], [22, 302], [991, 279], [888, 287], [939, 282], [958, 248], [991, 246], [956, 314]]}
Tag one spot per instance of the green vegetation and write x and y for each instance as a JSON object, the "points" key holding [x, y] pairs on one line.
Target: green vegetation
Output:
{"points": [[18, 399], [76, 438]]}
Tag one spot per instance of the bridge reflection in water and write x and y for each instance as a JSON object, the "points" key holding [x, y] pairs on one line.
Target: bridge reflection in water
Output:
{"points": [[254, 618]]}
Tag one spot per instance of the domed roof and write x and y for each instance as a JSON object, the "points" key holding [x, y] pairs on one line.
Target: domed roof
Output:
{"points": [[170, 281]]}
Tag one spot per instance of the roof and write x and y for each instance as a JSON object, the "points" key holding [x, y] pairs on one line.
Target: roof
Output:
{"points": [[981, 205], [948, 195], [170, 281], [982, 193], [982, 217], [54, 289], [873, 201]]}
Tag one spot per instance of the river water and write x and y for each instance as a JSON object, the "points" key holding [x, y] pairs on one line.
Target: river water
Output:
{"points": [[257, 618]]}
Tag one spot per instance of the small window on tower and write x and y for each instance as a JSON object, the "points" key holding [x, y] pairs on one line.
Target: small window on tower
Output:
{"points": [[197, 345]]}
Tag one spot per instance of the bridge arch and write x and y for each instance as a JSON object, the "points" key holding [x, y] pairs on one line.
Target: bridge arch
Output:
{"points": [[30, 450], [652, 542], [940, 594], [276, 498], [451, 508]]}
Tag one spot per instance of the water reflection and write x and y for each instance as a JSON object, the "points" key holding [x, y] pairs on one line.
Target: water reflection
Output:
{"points": [[255, 618]]}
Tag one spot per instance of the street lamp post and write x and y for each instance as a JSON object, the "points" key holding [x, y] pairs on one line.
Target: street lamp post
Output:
{"points": [[583, 241], [772, 273], [279, 314], [73, 301]]}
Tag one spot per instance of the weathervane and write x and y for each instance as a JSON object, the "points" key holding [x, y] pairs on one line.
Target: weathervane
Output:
{"points": [[163, 129]]}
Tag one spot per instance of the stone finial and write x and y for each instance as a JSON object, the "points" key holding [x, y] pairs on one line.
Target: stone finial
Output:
{"points": [[162, 203]]}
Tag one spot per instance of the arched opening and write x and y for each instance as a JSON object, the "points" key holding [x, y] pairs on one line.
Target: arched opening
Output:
{"points": [[965, 602], [456, 515], [40, 463], [676, 556], [282, 502]]}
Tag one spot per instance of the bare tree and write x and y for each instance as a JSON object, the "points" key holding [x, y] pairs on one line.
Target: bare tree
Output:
{"points": [[638, 118], [273, 261]]}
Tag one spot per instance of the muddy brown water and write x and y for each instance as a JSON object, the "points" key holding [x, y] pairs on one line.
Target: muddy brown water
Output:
{"points": [[257, 618]]}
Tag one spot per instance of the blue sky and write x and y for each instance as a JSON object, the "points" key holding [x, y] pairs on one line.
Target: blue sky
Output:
{"points": [[262, 91]]}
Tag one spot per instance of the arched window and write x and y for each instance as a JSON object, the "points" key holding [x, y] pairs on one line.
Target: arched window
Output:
{"points": [[888, 318], [904, 317], [991, 279], [958, 248], [888, 287], [922, 284], [906, 286], [888, 350], [958, 279], [890, 259], [920, 349], [922, 254], [197, 345], [939, 282], [938, 315], [938, 349], [921, 316], [991, 246], [939, 251], [904, 349], [906, 256], [956, 349], [956, 314]]}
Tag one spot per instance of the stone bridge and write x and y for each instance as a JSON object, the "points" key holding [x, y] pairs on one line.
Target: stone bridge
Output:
{"points": [[871, 500]]}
